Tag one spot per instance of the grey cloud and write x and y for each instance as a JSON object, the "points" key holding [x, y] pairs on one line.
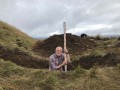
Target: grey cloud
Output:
{"points": [[41, 17]]}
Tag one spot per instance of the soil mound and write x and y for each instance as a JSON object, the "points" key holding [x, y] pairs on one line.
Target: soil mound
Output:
{"points": [[75, 44]]}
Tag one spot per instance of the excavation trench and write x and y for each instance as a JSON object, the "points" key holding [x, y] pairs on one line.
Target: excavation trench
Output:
{"points": [[86, 62]]}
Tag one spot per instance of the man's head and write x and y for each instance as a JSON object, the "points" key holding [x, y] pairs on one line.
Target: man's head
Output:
{"points": [[58, 51]]}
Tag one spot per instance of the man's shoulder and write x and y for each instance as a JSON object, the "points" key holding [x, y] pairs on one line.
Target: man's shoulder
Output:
{"points": [[52, 56]]}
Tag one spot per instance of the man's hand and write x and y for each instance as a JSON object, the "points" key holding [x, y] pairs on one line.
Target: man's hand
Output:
{"points": [[65, 50], [64, 63]]}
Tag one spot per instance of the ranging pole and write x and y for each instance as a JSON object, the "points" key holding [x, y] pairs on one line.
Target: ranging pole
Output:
{"points": [[64, 26]]}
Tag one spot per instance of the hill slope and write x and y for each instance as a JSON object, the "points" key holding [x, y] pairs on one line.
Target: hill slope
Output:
{"points": [[11, 36]]}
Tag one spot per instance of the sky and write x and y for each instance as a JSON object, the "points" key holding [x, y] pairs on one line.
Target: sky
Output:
{"points": [[43, 18]]}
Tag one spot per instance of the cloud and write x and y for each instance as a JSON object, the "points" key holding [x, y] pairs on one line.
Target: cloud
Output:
{"points": [[42, 18]]}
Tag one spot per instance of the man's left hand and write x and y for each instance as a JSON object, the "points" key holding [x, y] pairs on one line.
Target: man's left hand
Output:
{"points": [[65, 50]]}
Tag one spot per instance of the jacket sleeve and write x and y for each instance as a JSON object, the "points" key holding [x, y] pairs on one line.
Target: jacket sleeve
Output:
{"points": [[52, 64]]}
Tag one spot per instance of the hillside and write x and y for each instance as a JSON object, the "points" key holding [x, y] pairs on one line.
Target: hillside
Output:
{"points": [[11, 36]]}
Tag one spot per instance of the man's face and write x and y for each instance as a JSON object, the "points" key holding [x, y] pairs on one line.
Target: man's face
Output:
{"points": [[58, 51]]}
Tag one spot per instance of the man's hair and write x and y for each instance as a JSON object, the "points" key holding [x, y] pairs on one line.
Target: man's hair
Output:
{"points": [[58, 47]]}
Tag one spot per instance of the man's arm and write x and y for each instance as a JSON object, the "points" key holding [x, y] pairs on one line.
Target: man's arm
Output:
{"points": [[53, 66]]}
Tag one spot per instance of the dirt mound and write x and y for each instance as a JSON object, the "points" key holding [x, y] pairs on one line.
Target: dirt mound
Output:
{"points": [[75, 44]]}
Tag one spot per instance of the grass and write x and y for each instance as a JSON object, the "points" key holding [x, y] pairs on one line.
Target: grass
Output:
{"points": [[8, 68], [13, 37], [13, 77]]}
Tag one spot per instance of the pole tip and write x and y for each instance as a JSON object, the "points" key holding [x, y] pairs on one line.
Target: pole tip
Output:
{"points": [[64, 24]]}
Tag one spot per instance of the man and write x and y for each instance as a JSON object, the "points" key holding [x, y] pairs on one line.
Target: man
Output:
{"points": [[57, 60]]}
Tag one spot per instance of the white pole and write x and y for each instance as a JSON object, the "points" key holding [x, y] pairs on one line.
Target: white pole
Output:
{"points": [[64, 25]]}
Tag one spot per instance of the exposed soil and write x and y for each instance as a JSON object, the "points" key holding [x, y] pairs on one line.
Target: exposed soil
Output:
{"points": [[88, 62], [75, 44]]}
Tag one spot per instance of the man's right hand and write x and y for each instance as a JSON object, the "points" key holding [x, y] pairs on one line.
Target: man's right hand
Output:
{"points": [[64, 62]]}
